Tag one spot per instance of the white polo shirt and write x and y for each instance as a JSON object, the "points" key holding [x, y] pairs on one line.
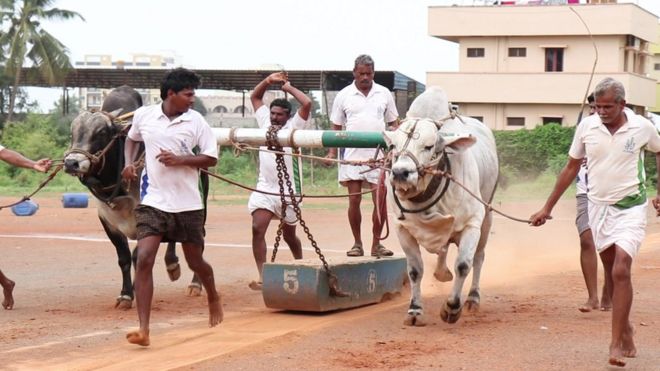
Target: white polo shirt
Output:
{"points": [[615, 162], [357, 112], [268, 180], [171, 189]]}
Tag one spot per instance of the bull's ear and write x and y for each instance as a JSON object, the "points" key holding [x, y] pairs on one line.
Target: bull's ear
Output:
{"points": [[459, 142], [439, 143]]}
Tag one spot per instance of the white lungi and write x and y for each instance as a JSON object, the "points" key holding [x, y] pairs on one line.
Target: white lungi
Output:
{"points": [[612, 225]]}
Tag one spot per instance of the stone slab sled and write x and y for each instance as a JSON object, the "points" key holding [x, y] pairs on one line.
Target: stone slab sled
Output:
{"points": [[303, 284]]}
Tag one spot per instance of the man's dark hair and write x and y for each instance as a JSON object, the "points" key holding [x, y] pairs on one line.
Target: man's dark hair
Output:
{"points": [[281, 102], [591, 98], [179, 79]]}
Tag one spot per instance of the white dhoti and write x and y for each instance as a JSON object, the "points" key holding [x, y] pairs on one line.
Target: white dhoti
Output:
{"points": [[273, 204], [363, 173], [612, 225]]}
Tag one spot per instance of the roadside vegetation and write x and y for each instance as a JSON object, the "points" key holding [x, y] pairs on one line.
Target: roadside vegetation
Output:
{"points": [[529, 162]]}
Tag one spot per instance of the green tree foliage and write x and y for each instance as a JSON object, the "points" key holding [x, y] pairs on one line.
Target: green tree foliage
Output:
{"points": [[24, 39], [530, 152], [527, 154]]}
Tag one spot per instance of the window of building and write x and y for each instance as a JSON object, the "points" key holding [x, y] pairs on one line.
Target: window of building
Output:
{"points": [[552, 120], [554, 59], [480, 118], [515, 121], [476, 52], [517, 52], [656, 66]]}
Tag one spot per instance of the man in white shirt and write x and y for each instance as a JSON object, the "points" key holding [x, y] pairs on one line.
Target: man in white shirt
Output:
{"points": [[265, 207], [171, 209], [362, 106], [614, 142], [16, 159]]}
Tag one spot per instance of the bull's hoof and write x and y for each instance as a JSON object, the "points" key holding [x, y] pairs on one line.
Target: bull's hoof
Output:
{"points": [[415, 318], [472, 306], [124, 302], [443, 275], [194, 289], [450, 315], [174, 271]]}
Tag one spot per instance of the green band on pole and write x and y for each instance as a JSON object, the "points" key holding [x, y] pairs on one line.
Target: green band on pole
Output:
{"points": [[352, 139]]}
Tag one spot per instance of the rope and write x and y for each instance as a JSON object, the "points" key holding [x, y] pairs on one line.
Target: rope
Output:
{"points": [[238, 148], [489, 207], [43, 184], [593, 68], [301, 196]]}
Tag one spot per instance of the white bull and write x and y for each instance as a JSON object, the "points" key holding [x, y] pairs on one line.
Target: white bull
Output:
{"points": [[433, 212]]}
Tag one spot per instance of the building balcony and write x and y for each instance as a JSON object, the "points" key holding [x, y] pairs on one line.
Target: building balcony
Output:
{"points": [[542, 88], [454, 22]]}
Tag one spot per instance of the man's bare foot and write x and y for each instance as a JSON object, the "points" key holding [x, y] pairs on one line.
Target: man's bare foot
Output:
{"points": [[8, 290], [588, 306], [255, 285], [138, 337], [616, 356], [605, 305], [617, 361], [215, 312], [628, 348]]}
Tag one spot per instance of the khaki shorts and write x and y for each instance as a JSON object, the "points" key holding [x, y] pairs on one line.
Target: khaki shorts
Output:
{"points": [[186, 226], [582, 215]]}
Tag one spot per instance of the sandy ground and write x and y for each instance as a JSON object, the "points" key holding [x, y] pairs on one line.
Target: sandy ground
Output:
{"points": [[67, 280]]}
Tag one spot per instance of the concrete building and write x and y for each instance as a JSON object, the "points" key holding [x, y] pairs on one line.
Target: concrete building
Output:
{"points": [[655, 71], [526, 65], [92, 98], [233, 109]]}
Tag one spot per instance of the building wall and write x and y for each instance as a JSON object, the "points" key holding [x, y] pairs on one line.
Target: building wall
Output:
{"points": [[497, 86], [495, 115], [91, 98], [579, 54]]}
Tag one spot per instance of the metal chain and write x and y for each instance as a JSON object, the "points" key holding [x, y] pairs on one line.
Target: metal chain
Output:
{"points": [[271, 141], [283, 176]]}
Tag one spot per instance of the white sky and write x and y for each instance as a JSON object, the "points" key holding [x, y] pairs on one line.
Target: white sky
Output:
{"points": [[245, 34]]}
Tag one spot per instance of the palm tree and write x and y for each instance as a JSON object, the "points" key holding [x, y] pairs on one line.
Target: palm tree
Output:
{"points": [[26, 40]]}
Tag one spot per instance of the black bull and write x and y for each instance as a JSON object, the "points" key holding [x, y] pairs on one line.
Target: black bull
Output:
{"points": [[96, 157]]}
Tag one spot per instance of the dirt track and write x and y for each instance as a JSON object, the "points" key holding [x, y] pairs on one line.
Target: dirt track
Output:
{"points": [[64, 316]]}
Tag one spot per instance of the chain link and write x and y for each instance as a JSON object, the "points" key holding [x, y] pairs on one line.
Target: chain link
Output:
{"points": [[283, 177]]}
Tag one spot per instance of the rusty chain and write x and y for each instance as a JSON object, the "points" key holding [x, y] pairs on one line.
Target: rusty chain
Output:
{"points": [[283, 177]]}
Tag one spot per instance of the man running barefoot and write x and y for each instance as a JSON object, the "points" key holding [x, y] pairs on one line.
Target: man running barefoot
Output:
{"points": [[171, 209]]}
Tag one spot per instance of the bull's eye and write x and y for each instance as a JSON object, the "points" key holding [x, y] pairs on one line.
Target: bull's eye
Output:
{"points": [[429, 148], [392, 147]]}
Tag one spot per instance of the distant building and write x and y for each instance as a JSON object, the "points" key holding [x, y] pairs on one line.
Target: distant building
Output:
{"points": [[655, 71], [526, 65], [92, 98], [233, 109]]}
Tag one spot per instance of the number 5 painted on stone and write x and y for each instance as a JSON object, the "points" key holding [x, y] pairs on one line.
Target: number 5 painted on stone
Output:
{"points": [[291, 281]]}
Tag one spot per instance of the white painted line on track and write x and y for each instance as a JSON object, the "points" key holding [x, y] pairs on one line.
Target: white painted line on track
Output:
{"points": [[105, 240]]}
